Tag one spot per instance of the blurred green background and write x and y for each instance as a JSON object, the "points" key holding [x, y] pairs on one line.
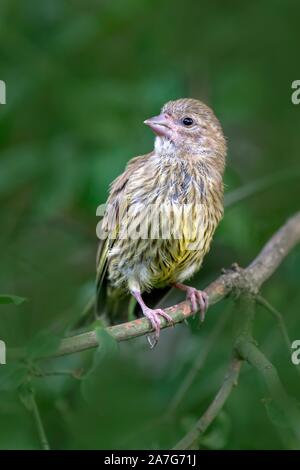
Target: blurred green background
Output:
{"points": [[81, 77]]}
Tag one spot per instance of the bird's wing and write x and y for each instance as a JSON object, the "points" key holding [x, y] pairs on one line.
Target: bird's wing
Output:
{"points": [[112, 214]]}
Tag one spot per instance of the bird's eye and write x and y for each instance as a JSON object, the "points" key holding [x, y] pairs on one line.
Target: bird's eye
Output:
{"points": [[187, 121]]}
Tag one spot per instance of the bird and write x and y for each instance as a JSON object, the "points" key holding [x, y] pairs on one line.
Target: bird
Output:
{"points": [[163, 210]]}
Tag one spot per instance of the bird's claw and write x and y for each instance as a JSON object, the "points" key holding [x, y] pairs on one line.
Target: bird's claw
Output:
{"points": [[198, 299], [153, 316]]}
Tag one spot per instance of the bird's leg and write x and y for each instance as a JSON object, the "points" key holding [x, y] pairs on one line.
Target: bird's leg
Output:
{"points": [[198, 298], [152, 315]]}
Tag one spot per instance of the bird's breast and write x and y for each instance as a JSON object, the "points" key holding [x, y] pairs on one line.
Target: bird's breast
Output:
{"points": [[171, 216], [166, 180], [170, 199]]}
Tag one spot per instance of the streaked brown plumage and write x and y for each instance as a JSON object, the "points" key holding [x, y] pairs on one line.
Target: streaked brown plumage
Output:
{"points": [[183, 171]]}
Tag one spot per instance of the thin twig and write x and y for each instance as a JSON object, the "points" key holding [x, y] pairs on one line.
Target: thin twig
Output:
{"points": [[197, 365], [255, 187], [190, 441], [281, 325], [287, 405], [39, 424], [243, 329], [75, 374], [262, 301]]}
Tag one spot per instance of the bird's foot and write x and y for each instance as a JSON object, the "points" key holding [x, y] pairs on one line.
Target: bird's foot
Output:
{"points": [[198, 299], [153, 316]]}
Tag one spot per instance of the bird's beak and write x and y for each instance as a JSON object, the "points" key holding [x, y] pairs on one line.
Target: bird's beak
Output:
{"points": [[161, 125]]}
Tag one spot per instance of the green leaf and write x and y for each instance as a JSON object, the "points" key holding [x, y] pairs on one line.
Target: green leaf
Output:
{"points": [[11, 376], [108, 347], [26, 395], [11, 299], [218, 436], [43, 344], [275, 414], [215, 440]]}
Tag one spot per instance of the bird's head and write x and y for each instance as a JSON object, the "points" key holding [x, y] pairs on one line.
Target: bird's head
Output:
{"points": [[188, 127]]}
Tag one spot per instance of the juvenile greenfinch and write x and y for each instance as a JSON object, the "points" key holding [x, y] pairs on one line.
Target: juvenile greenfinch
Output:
{"points": [[163, 210]]}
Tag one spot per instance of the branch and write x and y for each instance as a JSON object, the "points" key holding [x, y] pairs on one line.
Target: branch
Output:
{"points": [[198, 363], [189, 441], [275, 250], [234, 279], [287, 406], [39, 424], [243, 331]]}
